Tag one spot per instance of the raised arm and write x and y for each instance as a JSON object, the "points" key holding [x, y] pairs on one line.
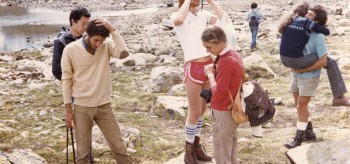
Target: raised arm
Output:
{"points": [[218, 10], [182, 13], [117, 47]]}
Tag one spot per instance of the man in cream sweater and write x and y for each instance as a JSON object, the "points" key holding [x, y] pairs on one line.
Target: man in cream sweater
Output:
{"points": [[86, 77]]}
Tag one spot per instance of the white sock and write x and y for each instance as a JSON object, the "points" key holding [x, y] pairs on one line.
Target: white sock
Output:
{"points": [[308, 119], [190, 132], [301, 125], [199, 126]]}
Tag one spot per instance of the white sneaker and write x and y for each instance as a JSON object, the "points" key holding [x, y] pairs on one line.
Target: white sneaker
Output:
{"points": [[266, 125], [257, 131]]}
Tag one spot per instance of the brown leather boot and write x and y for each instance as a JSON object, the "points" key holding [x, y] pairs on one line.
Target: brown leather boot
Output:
{"points": [[190, 157], [200, 151]]}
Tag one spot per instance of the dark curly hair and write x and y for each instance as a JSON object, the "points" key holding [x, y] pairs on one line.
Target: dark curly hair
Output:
{"points": [[320, 14], [93, 30]]}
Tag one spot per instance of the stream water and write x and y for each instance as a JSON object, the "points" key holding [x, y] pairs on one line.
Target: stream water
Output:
{"points": [[29, 28]]}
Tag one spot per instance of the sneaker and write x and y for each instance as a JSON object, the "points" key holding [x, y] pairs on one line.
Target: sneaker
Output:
{"points": [[341, 101], [257, 131], [266, 125]]}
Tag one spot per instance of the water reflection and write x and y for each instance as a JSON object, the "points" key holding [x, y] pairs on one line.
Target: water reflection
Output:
{"points": [[26, 36], [29, 28]]}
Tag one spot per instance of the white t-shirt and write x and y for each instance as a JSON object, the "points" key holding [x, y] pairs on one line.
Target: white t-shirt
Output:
{"points": [[189, 34], [226, 24]]}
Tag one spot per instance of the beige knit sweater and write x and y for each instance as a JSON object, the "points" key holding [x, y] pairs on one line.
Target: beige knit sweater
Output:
{"points": [[86, 77]]}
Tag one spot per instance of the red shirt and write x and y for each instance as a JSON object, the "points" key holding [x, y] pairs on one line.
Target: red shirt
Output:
{"points": [[228, 78]]}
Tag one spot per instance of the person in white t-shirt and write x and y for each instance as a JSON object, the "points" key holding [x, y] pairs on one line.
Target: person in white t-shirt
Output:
{"points": [[189, 24]]}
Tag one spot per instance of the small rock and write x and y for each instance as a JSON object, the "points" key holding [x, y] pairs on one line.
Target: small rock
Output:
{"points": [[123, 4], [170, 4], [339, 11], [43, 112]]}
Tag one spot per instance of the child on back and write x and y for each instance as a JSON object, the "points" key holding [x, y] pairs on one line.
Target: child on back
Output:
{"points": [[295, 34]]}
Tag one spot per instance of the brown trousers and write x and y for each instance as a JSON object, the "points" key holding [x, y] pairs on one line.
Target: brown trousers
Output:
{"points": [[224, 137], [108, 124]]}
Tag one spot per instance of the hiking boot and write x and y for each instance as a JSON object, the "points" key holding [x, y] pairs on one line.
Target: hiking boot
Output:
{"points": [[298, 139], [200, 152], [309, 134], [343, 101], [190, 157]]}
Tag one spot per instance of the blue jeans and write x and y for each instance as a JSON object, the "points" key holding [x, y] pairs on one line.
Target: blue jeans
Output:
{"points": [[254, 32]]}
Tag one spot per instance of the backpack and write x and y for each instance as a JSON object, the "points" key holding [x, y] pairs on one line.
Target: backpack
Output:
{"points": [[256, 102], [254, 21]]}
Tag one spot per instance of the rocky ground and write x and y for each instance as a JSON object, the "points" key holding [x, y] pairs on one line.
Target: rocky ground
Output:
{"points": [[143, 93]]}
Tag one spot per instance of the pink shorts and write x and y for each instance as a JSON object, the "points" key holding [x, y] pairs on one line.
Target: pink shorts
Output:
{"points": [[195, 71]]}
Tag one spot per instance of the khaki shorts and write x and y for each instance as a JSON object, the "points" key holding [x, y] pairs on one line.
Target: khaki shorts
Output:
{"points": [[305, 86]]}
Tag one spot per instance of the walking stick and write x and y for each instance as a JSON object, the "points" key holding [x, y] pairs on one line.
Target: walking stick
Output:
{"points": [[67, 146], [71, 132]]}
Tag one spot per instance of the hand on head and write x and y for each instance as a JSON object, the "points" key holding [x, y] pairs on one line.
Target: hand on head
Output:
{"points": [[105, 23]]}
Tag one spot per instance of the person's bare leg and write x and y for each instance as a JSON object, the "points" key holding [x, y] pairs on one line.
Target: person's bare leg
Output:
{"points": [[194, 111], [199, 151], [303, 115]]}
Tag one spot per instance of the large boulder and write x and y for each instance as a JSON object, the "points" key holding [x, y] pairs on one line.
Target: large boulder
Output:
{"points": [[163, 78], [256, 67], [170, 107], [323, 152], [25, 156], [3, 158]]}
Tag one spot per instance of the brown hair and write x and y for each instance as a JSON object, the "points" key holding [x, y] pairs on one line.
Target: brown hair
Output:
{"points": [[300, 10], [181, 2], [320, 14], [213, 34]]}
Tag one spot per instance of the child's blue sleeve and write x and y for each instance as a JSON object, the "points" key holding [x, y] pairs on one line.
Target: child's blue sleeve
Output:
{"points": [[318, 28]]}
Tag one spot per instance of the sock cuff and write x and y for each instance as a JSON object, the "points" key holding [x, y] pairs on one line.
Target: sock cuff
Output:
{"points": [[200, 118], [190, 126], [301, 125], [308, 119], [190, 132]]}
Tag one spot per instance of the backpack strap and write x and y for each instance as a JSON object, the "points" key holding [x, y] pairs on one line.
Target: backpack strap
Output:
{"points": [[255, 14], [61, 39]]}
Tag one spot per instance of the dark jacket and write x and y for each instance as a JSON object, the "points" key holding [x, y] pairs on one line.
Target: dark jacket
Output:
{"points": [[64, 37]]}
